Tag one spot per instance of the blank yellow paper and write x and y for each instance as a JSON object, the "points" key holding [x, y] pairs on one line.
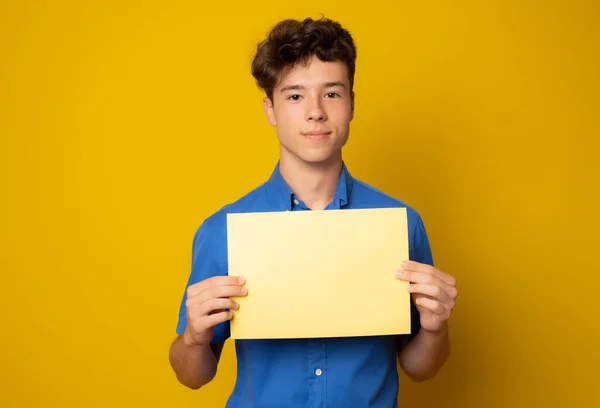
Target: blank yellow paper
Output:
{"points": [[319, 273]]}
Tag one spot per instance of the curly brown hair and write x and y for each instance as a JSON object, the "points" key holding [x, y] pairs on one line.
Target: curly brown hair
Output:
{"points": [[293, 42]]}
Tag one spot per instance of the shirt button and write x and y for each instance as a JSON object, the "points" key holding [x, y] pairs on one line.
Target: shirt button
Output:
{"points": [[296, 202], [318, 371]]}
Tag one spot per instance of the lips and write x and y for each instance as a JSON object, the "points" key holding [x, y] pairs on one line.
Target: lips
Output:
{"points": [[316, 134]]}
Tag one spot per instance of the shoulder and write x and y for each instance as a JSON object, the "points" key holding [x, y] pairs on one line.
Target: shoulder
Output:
{"points": [[365, 195], [215, 225]]}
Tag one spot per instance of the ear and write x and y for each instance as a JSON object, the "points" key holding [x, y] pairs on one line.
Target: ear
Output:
{"points": [[269, 111], [352, 106]]}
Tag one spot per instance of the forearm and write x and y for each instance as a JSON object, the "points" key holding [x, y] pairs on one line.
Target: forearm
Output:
{"points": [[423, 357], [194, 365]]}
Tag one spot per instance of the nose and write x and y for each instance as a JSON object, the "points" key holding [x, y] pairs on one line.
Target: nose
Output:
{"points": [[315, 111]]}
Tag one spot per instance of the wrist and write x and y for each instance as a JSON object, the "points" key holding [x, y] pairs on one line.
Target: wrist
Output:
{"points": [[188, 339], [440, 332]]}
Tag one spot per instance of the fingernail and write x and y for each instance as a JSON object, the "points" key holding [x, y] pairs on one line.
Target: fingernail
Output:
{"points": [[244, 291], [399, 273], [404, 264], [240, 280]]}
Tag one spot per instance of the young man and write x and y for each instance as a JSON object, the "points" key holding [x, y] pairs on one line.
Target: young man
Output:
{"points": [[307, 72]]}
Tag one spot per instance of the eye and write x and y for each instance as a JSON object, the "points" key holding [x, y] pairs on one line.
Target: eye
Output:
{"points": [[333, 95], [294, 97]]}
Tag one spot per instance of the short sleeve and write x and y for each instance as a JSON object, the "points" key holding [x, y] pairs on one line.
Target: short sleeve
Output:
{"points": [[205, 264], [419, 251]]}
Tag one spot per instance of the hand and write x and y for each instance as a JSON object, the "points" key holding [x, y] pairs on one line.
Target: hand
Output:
{"points": [[433, 291], [206, 306]]}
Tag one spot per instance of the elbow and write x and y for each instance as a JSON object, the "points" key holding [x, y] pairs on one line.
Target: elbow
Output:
{"points": [[424, 370], [193, 382], [190, 385], [190, 377], [421, 377]]}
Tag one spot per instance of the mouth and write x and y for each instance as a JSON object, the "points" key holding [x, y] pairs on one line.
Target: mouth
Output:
{"points": [[316, 135]]}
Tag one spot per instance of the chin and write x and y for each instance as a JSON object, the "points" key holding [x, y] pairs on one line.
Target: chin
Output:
{"points": [[317, 157], [313, 154]]}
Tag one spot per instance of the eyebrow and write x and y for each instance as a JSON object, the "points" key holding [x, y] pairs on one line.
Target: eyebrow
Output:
{"points": [[326, 85]]}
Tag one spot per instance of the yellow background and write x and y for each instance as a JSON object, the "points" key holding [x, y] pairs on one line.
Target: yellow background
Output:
{"points": [[124, 124]]}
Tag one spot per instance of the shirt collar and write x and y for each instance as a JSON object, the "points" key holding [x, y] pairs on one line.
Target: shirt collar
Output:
{"points": [[284, 194]]}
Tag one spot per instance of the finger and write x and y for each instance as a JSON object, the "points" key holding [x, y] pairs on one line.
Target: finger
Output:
{"points": [[419, 277], [430, 304], [448, 304], [425, 268], [418, 295], [212, 305], [211, 321], [428, 279], [220, 292], [227, 291], [206, 303], [433, 291], [217, 311], [212, 282]]}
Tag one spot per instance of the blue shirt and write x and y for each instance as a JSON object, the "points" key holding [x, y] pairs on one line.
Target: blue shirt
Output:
{"points": [[316, 373]]}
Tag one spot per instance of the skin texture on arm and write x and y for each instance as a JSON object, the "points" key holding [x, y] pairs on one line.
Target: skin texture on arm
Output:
{"points": [[434, 294], [194, 364], [424, 355], [192, 356]]}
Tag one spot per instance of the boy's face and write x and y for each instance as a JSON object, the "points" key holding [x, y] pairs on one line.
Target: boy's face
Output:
{"points": [[312, 108]]}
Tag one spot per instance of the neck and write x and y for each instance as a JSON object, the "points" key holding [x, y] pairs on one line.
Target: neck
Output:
{"points": [[313, 183]]}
